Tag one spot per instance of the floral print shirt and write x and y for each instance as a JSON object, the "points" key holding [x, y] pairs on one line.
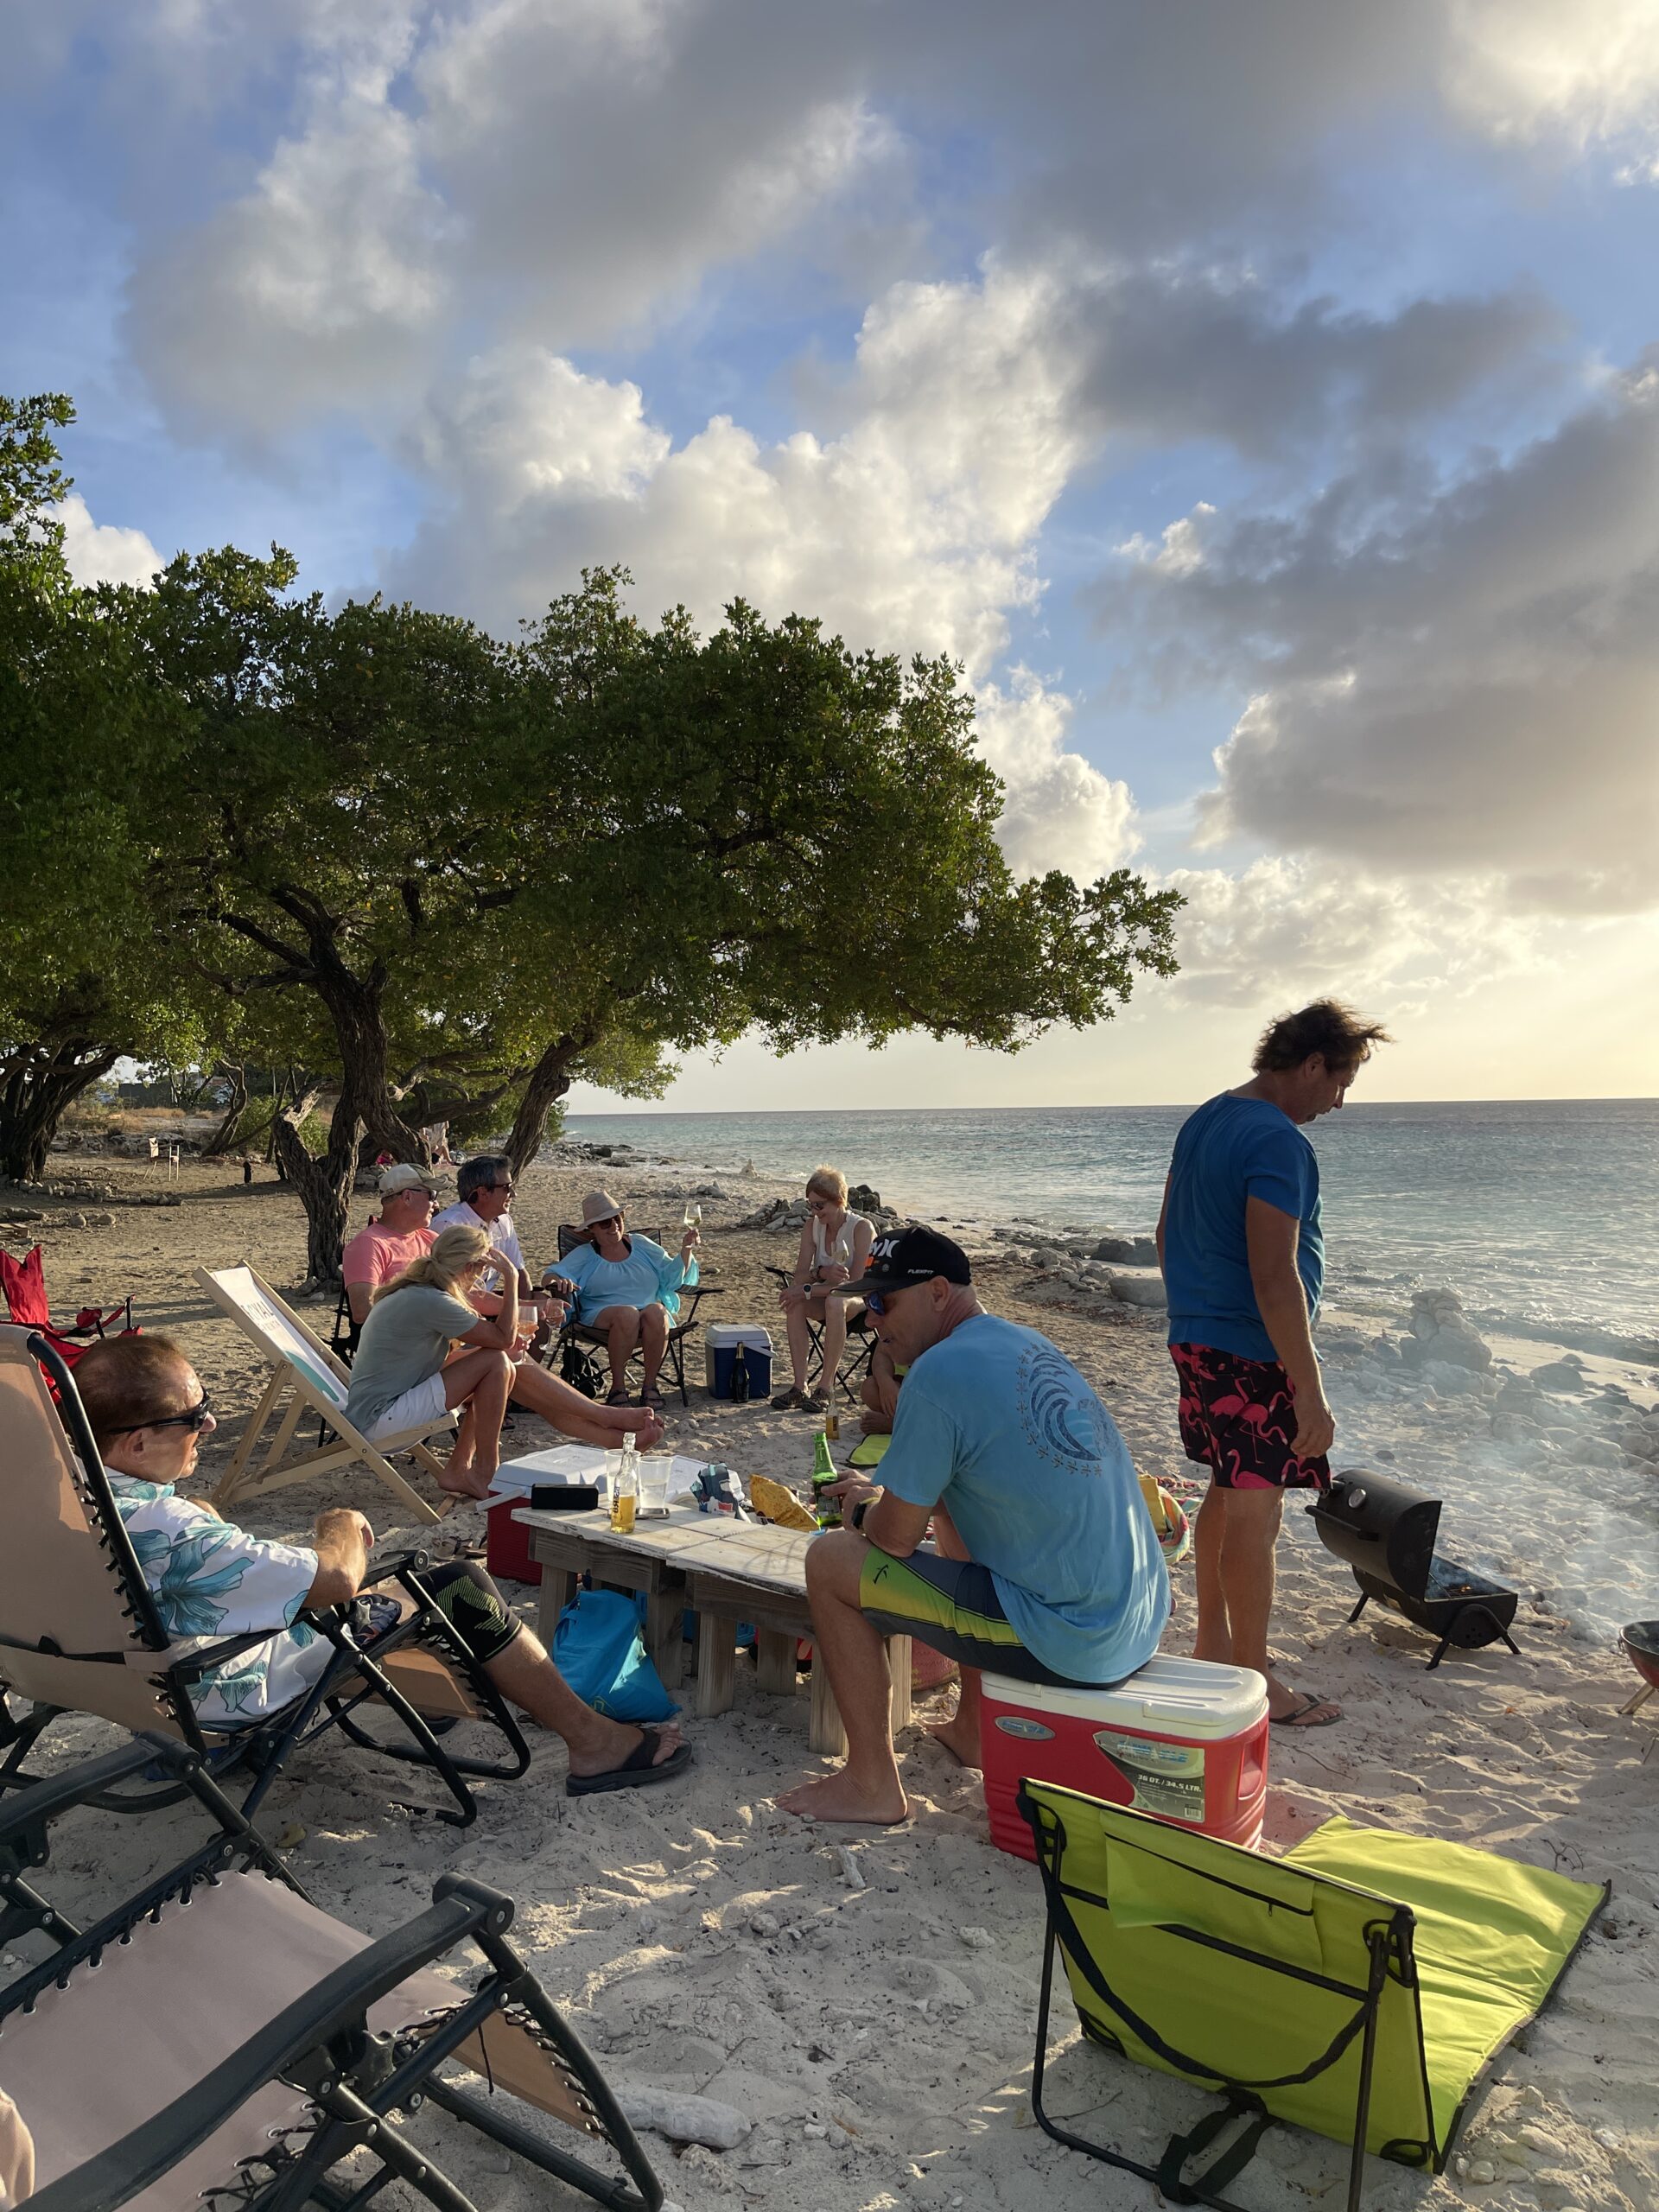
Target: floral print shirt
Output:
{"points": [[210, 1581]]}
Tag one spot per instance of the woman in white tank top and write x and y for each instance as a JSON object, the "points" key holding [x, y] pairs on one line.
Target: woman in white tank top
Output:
{"points": [[834, 1248]]}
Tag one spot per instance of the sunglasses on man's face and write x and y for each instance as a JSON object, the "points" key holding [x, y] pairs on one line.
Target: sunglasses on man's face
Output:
{"points": [[195, 1417]]}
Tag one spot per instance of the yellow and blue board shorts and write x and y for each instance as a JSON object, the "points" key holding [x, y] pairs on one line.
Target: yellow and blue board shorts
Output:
{"points": [[952, 1605]]}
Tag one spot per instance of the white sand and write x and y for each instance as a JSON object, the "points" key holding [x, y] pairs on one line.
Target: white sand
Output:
{"points": [[880, 2038]]}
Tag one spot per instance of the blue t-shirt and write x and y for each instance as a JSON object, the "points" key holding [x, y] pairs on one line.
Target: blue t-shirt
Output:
{"points": [[1230, 1150], [648, 1276], [997, 1426]]}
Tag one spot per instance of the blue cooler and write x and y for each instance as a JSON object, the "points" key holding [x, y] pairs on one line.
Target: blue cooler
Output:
{"points": [[725, 1342]]}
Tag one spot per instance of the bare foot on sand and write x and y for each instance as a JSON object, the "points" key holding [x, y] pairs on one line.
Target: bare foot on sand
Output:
{"points": [[963, 1744], [835, 1797], [462, 1479]]}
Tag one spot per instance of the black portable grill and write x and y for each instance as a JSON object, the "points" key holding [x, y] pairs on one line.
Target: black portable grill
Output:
{"points": [[1385, 1530]]}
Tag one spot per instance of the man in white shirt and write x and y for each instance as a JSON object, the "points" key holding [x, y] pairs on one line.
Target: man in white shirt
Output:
{"points": [[486, 1188]]}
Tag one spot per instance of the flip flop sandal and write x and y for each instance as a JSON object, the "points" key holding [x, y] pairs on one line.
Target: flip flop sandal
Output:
{"points": [[637, 1772], [1297, 1717]]}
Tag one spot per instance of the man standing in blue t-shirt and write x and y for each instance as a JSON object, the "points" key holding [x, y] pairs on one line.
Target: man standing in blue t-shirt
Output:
{"points": [[1243, 1252], [1046, 1565]]}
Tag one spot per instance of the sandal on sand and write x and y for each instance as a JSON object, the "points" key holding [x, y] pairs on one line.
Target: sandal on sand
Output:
{"points": [[618, 1397], [650, 1402], [1299, 1715], [788, 1401], [637, 1772]]}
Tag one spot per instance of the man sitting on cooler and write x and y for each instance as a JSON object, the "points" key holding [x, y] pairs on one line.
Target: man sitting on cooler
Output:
{"points": [[1044, 1565]]}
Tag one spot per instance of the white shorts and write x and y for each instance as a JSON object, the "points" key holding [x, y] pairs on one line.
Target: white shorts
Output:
{"points": [[421, 1407]]}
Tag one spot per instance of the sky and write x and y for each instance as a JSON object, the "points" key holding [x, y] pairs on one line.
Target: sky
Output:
{"points": [[1261, 403]]}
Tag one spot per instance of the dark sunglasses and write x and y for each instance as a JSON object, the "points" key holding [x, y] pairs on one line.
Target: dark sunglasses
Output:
{"points": [[507, 1187], [195, 1417]]}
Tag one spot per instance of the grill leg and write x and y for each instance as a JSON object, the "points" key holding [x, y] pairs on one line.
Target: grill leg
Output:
{"points": [[1364, 1600]]}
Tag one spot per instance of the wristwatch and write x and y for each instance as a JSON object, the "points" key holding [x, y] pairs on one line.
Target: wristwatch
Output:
{"points": [[855, 1518]]}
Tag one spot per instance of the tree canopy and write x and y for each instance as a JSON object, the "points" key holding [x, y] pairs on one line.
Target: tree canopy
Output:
{"points": [[454, 872]]}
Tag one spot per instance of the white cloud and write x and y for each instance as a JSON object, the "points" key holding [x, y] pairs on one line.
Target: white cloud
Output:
{"points": [[1535, 72], [910, 532], [1060, 811], [1455, 675], [104, 552], [1282, 932]]}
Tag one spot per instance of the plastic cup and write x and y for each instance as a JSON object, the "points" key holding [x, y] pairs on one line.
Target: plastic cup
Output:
{"points": [[653, 1483]]}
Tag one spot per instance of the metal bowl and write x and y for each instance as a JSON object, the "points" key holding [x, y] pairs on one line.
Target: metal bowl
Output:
{"points": [[1641, 1643]]}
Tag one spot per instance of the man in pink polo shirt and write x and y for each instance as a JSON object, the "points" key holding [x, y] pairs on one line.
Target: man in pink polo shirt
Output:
{"points": [[386, 1247]]}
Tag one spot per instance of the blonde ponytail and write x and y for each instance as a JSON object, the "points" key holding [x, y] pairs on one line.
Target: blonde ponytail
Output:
{"points": [[454, 1250]]}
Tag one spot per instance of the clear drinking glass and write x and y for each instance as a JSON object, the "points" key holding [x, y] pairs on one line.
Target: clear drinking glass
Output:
{"points": [[693, 1214], [653, 1481]]}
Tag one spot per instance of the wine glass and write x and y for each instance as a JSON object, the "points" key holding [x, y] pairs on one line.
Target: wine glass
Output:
{"points": [[693, 1214]]}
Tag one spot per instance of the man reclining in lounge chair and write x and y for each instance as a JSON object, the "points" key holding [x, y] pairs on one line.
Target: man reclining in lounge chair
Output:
{"points": [[149, 1413], [1044, 1566]]}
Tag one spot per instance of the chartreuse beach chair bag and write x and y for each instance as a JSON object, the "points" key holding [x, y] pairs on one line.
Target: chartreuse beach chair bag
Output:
{"points": [[1357, 1986]]}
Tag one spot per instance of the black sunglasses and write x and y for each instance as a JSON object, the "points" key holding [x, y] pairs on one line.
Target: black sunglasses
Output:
{"points": [[195, 1417], [507, 1187]]}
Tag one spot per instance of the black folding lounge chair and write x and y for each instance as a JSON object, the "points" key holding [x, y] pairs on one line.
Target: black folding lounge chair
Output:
{"points": [[79, 1631], [220, 2041]]}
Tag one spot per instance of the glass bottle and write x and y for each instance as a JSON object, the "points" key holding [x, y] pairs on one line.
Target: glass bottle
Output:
{"points": [[625, 1497], [824, 1472]]}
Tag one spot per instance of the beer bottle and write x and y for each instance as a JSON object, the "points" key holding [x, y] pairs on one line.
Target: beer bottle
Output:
{"points": [[824, 1472]]}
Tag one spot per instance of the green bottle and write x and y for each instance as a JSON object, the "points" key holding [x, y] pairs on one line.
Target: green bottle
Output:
{"points": [[824, 1471]]}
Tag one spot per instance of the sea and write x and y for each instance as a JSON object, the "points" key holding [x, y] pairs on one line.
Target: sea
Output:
{"points": [[1544, 1215]]}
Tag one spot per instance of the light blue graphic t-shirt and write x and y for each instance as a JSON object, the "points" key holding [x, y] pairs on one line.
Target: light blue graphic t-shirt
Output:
{"points": [[997, 1424]]}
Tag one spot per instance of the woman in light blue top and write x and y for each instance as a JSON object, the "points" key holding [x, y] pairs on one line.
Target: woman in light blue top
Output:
{"points": [[629, 1286]]}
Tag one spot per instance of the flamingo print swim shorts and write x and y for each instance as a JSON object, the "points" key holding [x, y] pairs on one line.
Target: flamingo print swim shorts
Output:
{"points": [[1238, 1418]]}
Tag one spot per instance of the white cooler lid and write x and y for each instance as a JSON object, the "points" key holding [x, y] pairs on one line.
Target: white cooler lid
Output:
{"points": [[1170, 1695], [724, 1335]]}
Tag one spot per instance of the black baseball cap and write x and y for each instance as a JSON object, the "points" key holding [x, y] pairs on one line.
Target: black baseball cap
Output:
{"points": [[907, 1255]]}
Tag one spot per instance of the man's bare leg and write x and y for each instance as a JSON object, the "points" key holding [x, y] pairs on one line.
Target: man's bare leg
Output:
{"points": [[960, 1733], [866, 1786], [526, 1677], [1250, 1530], [1213, 1639]]}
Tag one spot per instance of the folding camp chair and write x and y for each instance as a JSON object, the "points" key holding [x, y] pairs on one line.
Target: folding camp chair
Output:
{"points": [[79, 1631], [314, 1378], [857, 1354], [1357, 1986], [219, 2041], [24, 1283], [583, 1363]]}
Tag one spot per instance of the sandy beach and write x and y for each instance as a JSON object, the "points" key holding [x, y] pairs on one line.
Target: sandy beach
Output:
{"points": [[879, 2037]]}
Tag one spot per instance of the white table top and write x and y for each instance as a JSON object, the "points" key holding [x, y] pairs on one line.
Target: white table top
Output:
{"points": [[717, 1543]]}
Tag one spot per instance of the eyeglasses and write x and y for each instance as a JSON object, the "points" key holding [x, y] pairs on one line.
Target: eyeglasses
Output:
{"points": [[507, 1187], [819, 1205], [195, 1417]]}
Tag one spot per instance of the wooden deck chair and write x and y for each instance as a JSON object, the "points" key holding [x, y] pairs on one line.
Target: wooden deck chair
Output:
{"points": [[1358, 1987], [242, 2042], [316, 1380], [79, 1631]]}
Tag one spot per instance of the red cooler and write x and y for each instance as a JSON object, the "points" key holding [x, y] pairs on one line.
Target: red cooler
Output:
{"points": [[1183, 1739]]}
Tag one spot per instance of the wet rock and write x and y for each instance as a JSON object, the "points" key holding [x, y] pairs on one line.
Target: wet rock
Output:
{"points": [[862, 1199]]}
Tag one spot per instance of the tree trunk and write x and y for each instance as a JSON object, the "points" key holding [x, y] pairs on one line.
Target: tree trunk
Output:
{"points": [[549, 1081], [324, 1184], [39, 1085], [228, 1132]]}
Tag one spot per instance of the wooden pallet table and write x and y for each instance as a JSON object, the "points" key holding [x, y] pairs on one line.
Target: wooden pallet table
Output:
{"points": [[727, 1571]]}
